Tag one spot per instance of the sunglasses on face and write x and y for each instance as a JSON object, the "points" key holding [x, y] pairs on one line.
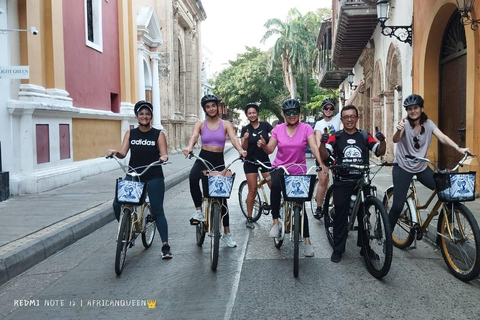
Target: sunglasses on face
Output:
{"points": [[291, 113], [329, 108]]}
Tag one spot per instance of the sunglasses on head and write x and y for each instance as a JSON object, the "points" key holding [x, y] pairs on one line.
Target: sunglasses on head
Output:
{"points": [[291, 113], [329, 108]]}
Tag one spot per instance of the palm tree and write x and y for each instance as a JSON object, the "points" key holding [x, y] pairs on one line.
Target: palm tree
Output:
{"points": [[293, 47]]}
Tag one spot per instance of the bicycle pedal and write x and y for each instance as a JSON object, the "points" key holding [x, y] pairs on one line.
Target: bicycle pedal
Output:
{"points": [[150, 218], [194, 222]]}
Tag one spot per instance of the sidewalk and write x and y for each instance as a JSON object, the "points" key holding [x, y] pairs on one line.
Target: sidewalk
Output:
{"points": [[35, 226]]}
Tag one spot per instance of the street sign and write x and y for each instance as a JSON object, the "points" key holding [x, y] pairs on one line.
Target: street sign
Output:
{"points": [[15, 72]]}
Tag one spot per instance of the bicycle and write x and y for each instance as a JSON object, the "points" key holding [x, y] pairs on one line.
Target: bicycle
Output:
{"points": [[217, 187], [457, 230], [135, 214], [373, 222], [261, 204], [296, 190]]}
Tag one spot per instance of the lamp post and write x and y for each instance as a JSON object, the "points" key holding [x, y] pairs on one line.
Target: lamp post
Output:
{"points": [[351, 79], [465, 8], [402, 33]]}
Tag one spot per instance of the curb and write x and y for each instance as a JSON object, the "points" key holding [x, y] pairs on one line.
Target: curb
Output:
{"points": [[19, 256]]}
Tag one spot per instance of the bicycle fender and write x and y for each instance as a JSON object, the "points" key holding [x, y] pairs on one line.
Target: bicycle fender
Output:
{"points": [[413, 210]]}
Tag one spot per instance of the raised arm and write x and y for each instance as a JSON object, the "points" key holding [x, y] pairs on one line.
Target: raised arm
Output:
{"points": [[355, 93]]}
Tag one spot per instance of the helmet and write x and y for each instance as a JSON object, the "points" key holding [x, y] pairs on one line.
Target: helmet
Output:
{"points": [[291, 104], [413, 99], [208, 98], [251, 105], [142, 104], [328, 101]]}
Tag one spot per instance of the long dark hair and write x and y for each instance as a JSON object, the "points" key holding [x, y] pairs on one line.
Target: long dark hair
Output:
{"points": [[423, 119]]}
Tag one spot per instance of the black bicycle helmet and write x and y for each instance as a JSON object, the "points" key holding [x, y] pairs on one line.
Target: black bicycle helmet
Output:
{"points": [[208, 98], [290, 104], [251, 105], [413, 99], [142, 104], [328, 101]]}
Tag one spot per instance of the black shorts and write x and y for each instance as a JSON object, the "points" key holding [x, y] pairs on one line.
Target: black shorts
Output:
{"points": [[252, 168]]}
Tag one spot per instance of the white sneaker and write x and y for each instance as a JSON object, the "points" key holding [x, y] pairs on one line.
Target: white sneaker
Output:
{"points": [[275, 231], [228, 240], [198, 216], [309, 250]]}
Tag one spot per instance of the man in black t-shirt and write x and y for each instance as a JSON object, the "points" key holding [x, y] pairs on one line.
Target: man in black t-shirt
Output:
{"points": [[350, 145]]}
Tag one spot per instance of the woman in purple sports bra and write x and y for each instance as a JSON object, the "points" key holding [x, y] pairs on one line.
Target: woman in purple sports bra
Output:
{"points": [[212, 131]]}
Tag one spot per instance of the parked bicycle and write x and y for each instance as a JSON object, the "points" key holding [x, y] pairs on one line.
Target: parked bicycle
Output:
{"points": [[135, 215], [457, 230], [374, 227], [217, 187], [262, 200]]}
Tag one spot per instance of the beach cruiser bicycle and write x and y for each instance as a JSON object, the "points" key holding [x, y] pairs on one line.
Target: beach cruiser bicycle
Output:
{"points": [[136, 216], [296, 190], [217, 187], [373, 223], [262, 200], [457, 230]]}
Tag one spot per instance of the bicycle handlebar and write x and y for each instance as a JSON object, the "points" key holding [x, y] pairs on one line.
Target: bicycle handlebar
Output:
{"points": [[437, 169], [134, 172], [210, 166], [363, 167]]}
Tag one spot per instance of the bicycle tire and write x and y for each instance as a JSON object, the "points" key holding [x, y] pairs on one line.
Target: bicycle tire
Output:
{"points": [[123, 241], [403, 234], [329, 214], [200, 233], [242, 197], [313, 201], [148, 233], [215, 234], [296, 239], [461, 255], [377, 237], [279, 241]]}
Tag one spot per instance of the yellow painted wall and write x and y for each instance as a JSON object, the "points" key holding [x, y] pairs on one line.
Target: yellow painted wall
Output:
{"points": [[91, 138], [430, 19]]}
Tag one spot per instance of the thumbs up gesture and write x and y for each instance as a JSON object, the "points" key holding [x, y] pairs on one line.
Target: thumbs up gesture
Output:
{"points": [[325, 136], [261, 142]]}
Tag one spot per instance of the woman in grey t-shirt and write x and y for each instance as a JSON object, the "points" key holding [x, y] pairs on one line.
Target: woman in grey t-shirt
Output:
{"points": [[414, 138]]}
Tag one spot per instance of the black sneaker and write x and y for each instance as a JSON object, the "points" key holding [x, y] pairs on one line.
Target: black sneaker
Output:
{"points": [[249, 223], [336, 256], [318, 213], [166, 254]]}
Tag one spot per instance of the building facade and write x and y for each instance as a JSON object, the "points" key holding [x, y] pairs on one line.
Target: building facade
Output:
{"points": [[86, 71]]}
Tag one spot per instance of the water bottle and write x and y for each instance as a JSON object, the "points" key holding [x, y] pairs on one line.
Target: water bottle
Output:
{"points": [[353, 198]]}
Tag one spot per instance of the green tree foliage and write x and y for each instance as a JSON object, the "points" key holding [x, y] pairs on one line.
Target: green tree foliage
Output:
{"points": [[246, 80]]}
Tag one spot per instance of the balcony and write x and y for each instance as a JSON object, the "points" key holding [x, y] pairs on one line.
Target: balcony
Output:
{"points": [[328, 76], [356, 21]]}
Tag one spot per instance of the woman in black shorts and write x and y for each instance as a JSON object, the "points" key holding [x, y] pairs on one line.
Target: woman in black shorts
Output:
{"points": [[250, 135]]}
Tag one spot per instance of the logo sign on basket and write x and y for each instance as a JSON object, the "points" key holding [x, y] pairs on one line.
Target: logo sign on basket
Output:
{"points": [[297, 186], [220, 186]]}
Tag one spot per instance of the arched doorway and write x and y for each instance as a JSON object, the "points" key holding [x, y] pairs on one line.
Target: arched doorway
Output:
{"points": [[452, 98]]}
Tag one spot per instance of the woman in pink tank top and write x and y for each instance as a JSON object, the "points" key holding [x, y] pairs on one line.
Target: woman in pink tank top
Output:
{"points": [[213, 132]]}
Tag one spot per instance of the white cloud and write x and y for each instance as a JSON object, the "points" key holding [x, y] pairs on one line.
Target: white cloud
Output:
{"points": [[232, 25]]}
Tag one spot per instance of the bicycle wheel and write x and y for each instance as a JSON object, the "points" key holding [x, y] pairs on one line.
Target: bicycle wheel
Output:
{"points": [[296, 239], [123, 240], [329, 214], [283, 213], [215, 234], [242, 198], [461, 252], [313, 202], [149, 230], [377, 238], [403, 234]]}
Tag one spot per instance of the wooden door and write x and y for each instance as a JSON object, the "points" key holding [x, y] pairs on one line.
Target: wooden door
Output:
{"points": [[452, 90]]}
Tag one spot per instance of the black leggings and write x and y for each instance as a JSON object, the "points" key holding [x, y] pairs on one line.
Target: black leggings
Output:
{"points": [[217, 160], [401, 183], [276, 198]]}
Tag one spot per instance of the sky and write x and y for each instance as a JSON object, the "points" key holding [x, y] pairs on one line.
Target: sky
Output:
{"points": [[232, 24]]}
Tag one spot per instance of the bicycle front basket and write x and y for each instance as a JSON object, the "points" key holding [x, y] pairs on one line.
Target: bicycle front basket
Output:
{"points": [[298, 187], [217, 185], [455, 187], [130, 192]]}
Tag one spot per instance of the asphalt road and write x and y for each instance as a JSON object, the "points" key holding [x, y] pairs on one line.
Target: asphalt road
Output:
{"points": [[253, 281]]}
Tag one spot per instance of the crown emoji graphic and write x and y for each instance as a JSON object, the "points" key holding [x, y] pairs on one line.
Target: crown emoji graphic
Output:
{"points": [[151, 304]]}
